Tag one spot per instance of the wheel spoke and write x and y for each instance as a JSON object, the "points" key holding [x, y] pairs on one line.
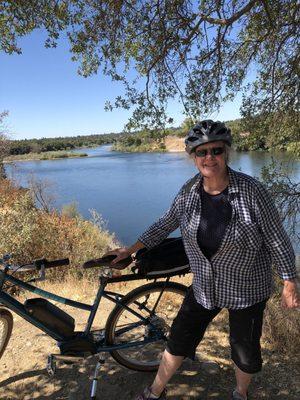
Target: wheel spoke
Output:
{"points": [[158, 304]]}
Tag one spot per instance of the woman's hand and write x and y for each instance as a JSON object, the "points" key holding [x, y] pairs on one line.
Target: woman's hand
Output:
{"points": [[290, 297], [121, 253]]}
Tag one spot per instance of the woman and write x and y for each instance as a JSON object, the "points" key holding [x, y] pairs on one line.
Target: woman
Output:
{"points": [[232, 235]]}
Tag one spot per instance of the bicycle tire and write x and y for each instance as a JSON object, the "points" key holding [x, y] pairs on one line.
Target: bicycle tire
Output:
{"points": [[136, 358], [6, 325]]}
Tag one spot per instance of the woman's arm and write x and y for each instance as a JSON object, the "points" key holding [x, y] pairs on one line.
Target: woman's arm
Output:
{"points": [[274, 235], [161, 229], [280, 248], [154, 235]]}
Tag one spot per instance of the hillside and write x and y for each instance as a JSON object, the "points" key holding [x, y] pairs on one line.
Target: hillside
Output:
{"points": [[174, 143]]}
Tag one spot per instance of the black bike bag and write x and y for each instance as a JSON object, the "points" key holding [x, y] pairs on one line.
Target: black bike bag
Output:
{"points": [[168, 258], [51, 316]]}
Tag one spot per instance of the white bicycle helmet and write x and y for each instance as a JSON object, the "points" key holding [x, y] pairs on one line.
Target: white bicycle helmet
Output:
{"points": [[205, 132]]}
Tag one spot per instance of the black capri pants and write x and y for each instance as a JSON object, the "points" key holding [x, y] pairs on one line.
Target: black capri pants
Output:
{"points": [[245, 325]]}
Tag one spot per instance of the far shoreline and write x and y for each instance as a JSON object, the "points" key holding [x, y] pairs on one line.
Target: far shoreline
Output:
{"points": [[46, 156], [171, 144]]}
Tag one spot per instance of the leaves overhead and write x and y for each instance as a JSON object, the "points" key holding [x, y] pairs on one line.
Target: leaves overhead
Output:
{"points": [[198, 52]]}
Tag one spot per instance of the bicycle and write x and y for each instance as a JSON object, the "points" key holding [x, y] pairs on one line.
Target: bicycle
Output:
{"points": [[135, 330]]}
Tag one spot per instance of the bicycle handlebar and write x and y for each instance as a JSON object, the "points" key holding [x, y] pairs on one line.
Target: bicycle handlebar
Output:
{"points": [[57, 263], [22, 268], [38, 264]]}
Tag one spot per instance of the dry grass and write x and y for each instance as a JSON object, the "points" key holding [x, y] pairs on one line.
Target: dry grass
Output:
{"points": [[282, 327], [45, 155]]}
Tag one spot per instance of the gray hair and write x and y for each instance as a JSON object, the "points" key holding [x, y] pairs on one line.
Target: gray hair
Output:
{"points": [[227, 153]]}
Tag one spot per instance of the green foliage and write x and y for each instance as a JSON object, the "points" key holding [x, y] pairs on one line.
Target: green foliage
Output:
{"points": [[47, 155], [18, 18], [282, 329], [184, 128], [294, 148], [187, 124], [235, 126], [199, 52], [139, 145], [142, 141], [44, 145], [29, 233], [269, 130], [71, 211], [286, 194]]}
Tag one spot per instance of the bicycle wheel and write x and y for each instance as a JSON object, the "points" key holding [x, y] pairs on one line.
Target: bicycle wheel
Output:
{"points": [[159, 304], [6, 325]]}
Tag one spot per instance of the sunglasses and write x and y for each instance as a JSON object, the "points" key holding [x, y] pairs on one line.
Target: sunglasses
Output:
{"points": [[215, 151]]}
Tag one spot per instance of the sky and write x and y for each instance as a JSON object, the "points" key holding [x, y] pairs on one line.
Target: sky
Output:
{"points": [[46, 97]]}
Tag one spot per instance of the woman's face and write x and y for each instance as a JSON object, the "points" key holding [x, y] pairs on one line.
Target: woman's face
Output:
{"points": [[211, 165]]}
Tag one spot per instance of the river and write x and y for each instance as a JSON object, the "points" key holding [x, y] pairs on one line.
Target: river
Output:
{"points": [[129, 190]]}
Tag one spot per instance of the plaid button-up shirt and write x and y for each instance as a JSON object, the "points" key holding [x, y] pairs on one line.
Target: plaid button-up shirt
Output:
{"points": [[239, 274]]}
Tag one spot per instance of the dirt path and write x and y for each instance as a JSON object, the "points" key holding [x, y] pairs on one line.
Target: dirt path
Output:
{"points": [[23, 374]]}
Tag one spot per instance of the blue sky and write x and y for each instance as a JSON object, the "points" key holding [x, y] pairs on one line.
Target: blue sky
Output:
{"points": [[46, 97]]}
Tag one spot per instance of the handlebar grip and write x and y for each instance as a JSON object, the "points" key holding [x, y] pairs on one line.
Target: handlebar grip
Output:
{"points": [[56, 263]]}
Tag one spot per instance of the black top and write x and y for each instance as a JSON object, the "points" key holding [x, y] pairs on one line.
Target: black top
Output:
{"points": [[216, 214]]}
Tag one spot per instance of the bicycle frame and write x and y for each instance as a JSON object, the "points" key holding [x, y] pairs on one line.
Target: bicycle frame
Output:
{"points": [[18, 307]]}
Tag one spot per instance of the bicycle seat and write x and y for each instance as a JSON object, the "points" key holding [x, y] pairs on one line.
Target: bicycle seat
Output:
{"points": [[106, 262]]}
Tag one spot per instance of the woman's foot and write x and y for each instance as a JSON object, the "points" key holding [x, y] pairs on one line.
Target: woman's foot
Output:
{"points": [[148, 395], [237, 396]]}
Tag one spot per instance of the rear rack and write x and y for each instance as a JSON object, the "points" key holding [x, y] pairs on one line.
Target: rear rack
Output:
{"points": [[136, 276]]}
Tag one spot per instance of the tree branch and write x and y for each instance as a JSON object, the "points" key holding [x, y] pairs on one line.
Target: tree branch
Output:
{"points": [[228, 21], [267, 9]]}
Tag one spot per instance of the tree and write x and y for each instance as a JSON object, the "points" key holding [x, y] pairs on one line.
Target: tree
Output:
{"points": [[4, 143], [286, 194], [277, 130], [197, 51]]}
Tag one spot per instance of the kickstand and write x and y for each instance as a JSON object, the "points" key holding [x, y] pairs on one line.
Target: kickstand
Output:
{"points": [[51, 365], [100, 362]]}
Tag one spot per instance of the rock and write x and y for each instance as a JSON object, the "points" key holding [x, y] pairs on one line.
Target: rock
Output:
{"points": [[210, 367]]}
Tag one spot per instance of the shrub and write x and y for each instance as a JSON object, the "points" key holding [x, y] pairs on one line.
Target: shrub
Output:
{"points": [[294, 148], [281, 327], [29, 233]]}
